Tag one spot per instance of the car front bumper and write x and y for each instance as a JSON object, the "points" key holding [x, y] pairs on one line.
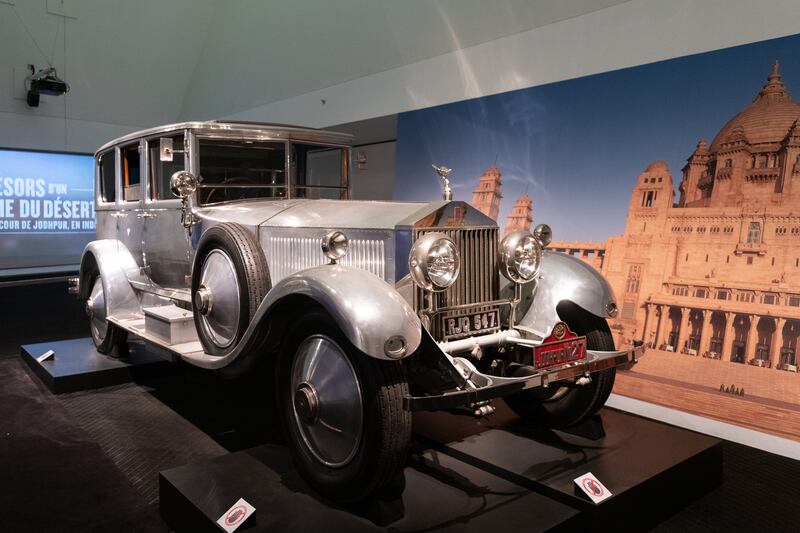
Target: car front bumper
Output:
{"points": [[482, 387]]}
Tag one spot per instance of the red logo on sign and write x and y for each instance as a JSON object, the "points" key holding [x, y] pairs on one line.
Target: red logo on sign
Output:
{"points": [[235, 515], [593, 486]]}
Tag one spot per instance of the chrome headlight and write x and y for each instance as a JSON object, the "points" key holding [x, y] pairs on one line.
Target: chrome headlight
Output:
{"points": [[520, 256], [434, 262], [334, 245]]}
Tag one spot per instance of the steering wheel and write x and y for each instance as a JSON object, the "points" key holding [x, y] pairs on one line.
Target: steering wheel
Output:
{"points": [[235, 193]]}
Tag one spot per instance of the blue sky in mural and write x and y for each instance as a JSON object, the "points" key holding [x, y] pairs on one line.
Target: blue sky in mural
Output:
{"points": [[577, 146]]}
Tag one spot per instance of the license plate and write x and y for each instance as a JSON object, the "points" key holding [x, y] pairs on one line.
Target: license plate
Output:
{"points": [[560, 352], [460, 324], [560, 347]]}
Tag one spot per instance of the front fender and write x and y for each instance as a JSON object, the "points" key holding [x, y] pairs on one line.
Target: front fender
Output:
{"points": [[562, 278], [116, 266], [368, 310]]}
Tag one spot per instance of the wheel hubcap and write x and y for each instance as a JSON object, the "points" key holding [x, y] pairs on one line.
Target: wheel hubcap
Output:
{"points": [[326, 401], [96, 309], [306, 404], [220, 318]]}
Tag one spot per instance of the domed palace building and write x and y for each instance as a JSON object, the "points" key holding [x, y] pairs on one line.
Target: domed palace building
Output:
{"points": [[716, 275]]}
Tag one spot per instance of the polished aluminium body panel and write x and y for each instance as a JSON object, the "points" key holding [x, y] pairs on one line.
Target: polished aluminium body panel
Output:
{"points": [[117, 269], [366, 309], [562, 278]]}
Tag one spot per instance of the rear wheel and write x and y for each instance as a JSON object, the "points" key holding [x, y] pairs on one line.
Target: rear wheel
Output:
{"points": [[342, 412], [104, 334], [563, 406]]}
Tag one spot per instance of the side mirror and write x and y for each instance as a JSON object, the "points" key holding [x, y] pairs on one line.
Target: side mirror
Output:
{"points": [[543, 234], [183, 183]]}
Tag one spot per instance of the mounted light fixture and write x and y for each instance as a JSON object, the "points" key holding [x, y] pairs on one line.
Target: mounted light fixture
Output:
{"points": [[434, 262], [520, 256], [46, 81], [334, 245]]}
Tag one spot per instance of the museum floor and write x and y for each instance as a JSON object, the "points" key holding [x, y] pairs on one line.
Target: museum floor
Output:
{"points": [[89, 461]]}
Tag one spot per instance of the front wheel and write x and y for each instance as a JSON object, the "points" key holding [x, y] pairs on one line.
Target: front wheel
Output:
{"points": [[560, 407], [342, 412]]}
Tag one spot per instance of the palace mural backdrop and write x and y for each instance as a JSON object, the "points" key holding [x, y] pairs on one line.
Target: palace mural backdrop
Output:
{"points": [[680, 182]]}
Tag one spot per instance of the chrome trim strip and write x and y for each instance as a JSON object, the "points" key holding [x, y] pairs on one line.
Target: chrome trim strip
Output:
{"points": [[263, 131]]}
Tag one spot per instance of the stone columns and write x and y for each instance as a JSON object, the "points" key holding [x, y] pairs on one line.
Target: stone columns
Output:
{"points": [[683, 328], [662, 320], [752, 339], [776, 343], [649, 318], [705, 332], [727, 340]]}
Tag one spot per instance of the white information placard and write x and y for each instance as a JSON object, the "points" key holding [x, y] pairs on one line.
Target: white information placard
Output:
{"points": [[49, 354], [595, 490], [236, 515]]}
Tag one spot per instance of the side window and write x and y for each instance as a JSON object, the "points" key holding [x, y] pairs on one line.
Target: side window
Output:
{"points": [[319, 171], [754, 233], [162, 171], [131, 173], [106, 166]]}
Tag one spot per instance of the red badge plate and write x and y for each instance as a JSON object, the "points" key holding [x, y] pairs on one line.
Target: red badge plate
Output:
{"points": [[561, 347]]}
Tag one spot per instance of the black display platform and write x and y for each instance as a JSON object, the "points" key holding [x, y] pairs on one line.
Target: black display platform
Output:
{"points": [[652, 469], [470, 475], [441, 494], [78, 366]]}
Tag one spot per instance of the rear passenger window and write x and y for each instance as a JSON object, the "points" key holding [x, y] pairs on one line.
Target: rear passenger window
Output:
{"points": [[131, 173], [162, 171], [105, 164]]}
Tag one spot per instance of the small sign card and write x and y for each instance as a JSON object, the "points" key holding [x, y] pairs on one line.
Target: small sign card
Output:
{"points": [[49, 354], [237, 515], [595, 490]]}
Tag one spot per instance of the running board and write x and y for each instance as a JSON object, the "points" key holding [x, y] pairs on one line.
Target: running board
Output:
{"points": [[136, 324]]}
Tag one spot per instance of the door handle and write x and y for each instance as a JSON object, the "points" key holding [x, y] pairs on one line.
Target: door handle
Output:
{"points": [[119, 215], [145, 214]]}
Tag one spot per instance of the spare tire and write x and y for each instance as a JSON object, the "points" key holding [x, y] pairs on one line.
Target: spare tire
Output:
{"points": [[229, 280]]}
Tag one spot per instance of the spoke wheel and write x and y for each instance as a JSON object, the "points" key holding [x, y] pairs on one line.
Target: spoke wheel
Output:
{"points": [[342, 412]]}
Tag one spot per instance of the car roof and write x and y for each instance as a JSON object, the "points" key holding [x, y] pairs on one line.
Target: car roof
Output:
{"points": [[232, 128]]}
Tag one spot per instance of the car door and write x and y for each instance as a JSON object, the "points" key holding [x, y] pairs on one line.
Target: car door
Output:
{"points": [[166, 242]]}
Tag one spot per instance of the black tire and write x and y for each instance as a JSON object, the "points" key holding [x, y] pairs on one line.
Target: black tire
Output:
{"points": [[561, 407], [115, 337], [251, 272], [376, 465]]}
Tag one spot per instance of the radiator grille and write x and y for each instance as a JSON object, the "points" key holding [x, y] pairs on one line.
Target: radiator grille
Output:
{"points": [[478, 281], [288, 255]]}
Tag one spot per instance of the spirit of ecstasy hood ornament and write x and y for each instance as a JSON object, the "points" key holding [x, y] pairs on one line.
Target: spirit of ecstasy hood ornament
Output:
{"points": [[444, 173]]}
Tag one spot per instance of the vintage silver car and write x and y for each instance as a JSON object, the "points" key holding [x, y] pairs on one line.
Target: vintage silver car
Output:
{"points": [[225, 243]]}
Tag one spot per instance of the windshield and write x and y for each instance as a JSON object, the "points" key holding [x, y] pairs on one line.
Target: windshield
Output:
{"points": [[236, 170]]}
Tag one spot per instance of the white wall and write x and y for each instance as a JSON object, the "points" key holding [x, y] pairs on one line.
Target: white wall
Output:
{"points": [[129, 65], [628, 34], [376, 179], [262, 51]]}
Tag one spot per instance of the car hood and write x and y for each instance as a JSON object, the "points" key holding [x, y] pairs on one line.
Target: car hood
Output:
{"points": [[347, 214]]}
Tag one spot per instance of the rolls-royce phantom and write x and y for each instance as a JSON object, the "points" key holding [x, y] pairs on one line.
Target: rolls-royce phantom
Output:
{"points": [[226, 243]]}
